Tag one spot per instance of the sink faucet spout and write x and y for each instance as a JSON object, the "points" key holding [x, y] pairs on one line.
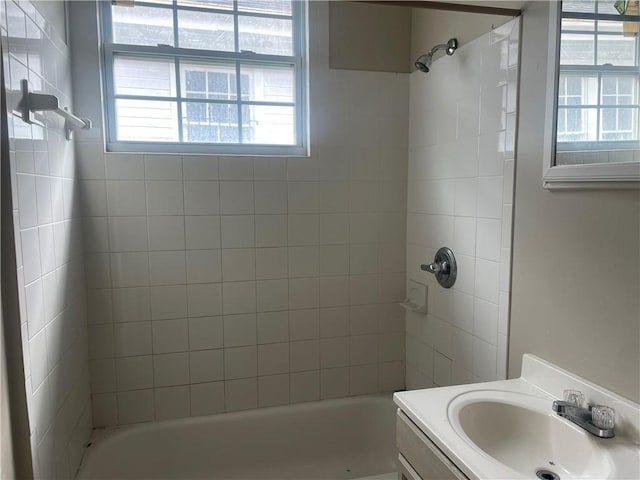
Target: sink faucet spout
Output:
{"points": [[582, 417]]}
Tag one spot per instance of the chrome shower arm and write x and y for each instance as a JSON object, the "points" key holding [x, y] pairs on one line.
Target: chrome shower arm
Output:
{"points": [[442, 46]]}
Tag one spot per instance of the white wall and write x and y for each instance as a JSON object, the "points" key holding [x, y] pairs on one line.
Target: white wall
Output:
{"points": [[227, 283], [369, 37], [461, 163], [576, 264], [432, 27], [48, 246]]}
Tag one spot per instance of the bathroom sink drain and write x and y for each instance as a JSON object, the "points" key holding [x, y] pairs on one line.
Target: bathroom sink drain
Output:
{"points": [[547, 475]]}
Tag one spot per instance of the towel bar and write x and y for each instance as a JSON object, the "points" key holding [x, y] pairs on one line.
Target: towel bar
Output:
{"points": [[32, 102]]}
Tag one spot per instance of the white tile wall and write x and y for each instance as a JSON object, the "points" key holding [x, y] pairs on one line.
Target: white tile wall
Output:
{"points": [[228, 271], [460, 195], [48, 240]]}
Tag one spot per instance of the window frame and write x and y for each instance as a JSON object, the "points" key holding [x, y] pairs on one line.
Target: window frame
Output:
{"points": [[110, 50], [581, 175]]}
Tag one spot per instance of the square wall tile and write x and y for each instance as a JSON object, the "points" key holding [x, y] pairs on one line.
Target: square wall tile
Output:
{"points": [[130, 269], [303, 261], [305, 386], [304, 355], [207, 398], [132, 339], [238, 264], [165, 197], [270, 230], [238, 231], [236, 168], [130, 304], [334, 322], [334, 352], [239, 297], [124, 167], [204, 266], [273, 359], [204, 299], [128, 234], [272, 295], [201, 198], [240, 330], [205, 333], [271, 263], [168, 232], [202, 232], [303, 197], [104, 407], [163, 167], [236, 198], [363, 379], [126, 198], [170, 336], [270, 197], [240, 362], [241, 394], [273, 327], [172, 402], [273, 390], [135, 406], [303, 229], [134, 373], [304, 293], [304, 324], [171, 369], [168, 302], [200, 167], [206, 366], [270, 168], [167, 268], [334, 383]]}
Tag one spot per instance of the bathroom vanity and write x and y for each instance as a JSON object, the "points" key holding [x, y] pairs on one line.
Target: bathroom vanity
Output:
{"points": [[509, 430], [419, 458]]}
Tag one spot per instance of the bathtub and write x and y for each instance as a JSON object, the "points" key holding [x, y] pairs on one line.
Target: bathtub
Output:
{"points": [[350, 438]]}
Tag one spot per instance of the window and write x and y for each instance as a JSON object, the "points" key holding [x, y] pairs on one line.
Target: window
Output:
{"points": [[592, 137], [214, 76], [598, 84]]}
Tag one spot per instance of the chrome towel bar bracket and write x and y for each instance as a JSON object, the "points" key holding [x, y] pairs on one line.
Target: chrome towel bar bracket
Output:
{"points": [[37, 102]]}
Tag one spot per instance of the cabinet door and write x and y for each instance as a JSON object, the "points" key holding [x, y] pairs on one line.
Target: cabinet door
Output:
{"points": [[422, 454], [406, 471]]}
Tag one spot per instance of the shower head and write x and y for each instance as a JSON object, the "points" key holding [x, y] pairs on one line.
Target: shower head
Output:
{"points": [[423, 63]]}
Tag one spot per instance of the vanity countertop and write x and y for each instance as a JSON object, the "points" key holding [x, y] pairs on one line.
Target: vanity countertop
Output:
{"points": [[437, 412]]}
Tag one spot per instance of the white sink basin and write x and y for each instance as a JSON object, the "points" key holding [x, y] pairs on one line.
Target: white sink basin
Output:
{"points": [[520, 432], [508, 430]]}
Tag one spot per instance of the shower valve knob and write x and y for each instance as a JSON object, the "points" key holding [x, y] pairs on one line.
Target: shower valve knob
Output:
{"points": [[436, 267], [443, 267]]}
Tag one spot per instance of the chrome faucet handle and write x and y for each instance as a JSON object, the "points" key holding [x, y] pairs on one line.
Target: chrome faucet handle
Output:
{"points": [[435, 267], [443, 267], [573, 397], [603, 417]]}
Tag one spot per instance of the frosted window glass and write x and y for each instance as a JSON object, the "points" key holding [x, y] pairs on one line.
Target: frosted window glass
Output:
{"points": [[265, 35], [278, 7], [268, 84], [205, 31], [146, 120], [144, 77], [271, 125], [217, 4], [142, 25]]}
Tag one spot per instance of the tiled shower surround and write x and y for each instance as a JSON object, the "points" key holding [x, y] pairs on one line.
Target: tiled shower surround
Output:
{"points": [[48, 240], [228, 283], [461, 167]]}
